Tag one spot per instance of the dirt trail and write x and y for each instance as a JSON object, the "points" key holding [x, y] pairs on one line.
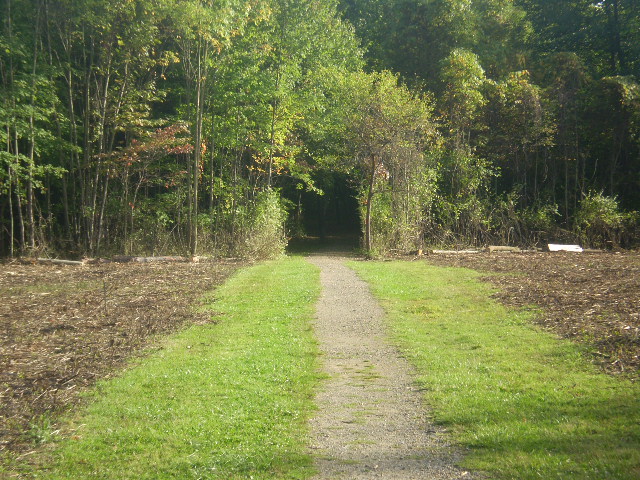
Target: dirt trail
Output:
{"points": [[370, 422]]}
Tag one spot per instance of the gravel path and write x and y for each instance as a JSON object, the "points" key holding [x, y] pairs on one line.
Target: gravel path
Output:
{"points": [[370, 422]]}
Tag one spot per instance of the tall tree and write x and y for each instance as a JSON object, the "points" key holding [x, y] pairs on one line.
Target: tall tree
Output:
{"points": [[389, 129]]}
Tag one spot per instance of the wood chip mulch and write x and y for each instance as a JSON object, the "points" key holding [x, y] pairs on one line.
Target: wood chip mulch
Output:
{"points": [[592, 298], [64, 327]]}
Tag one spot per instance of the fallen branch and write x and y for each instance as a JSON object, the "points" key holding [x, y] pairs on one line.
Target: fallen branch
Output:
{"points": [[127, 259], [503, 248], [448, 252], [56, 261]]}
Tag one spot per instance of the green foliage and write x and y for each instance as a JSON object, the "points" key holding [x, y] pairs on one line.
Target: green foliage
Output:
{"points": [[41, 430], [396, 33], [529, 226], [613, 107], [599, 221], [266, 237], [388, 130], [401, 211], [538, 93], [531, 96], [519, 129], [87, 89], [463, 77]]}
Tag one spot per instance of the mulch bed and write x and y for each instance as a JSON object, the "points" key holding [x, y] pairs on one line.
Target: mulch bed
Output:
{"points": [[592, 298], [65, 327]]}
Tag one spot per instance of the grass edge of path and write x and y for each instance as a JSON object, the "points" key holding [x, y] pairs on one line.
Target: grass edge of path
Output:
{"points": [[521, 402], [223, 400]]}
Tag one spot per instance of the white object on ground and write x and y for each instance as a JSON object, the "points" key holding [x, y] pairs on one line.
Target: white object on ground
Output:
{"points": [[564, 248]]}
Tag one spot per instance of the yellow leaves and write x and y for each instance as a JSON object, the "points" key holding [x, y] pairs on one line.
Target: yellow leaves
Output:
{"points": [[258, 158], [168, 58], [216, 44]]}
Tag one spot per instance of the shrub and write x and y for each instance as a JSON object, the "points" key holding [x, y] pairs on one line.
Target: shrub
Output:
{"points": [[266, 234], [524, 226], [599, 222]]}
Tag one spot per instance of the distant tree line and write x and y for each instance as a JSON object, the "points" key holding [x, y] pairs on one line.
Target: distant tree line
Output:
{"points": [[156, 126], [538, 107]]}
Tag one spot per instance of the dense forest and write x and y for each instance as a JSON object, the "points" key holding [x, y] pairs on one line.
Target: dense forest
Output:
{"points": [[228, 126]]}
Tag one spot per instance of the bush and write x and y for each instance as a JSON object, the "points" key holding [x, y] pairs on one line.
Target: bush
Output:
{"points": [[266, 237], [528, 226], [600, 223], [398, 215]]}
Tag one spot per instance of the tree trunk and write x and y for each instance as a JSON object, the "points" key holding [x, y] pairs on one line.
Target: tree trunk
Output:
{"points": [[31, 224], [272, 139], [74, 164], [17, 191], [86, 153], [201, 76], [367, 221], [20, 217], [9, 170], [617, 60], [102, 209], [12, 232], [32, 139], [566, 190], [212, 167]]}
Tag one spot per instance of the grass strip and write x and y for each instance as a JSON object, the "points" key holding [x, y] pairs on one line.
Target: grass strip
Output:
{"points": [[526, 404], [227, 400]]}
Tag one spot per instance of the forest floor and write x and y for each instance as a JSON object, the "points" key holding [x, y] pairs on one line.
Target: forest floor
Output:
{"points": [[591, 298], [66, 327]]}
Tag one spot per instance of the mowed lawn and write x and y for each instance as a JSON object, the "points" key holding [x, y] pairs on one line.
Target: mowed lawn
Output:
{"points": [[225, 400], [522, 403]]}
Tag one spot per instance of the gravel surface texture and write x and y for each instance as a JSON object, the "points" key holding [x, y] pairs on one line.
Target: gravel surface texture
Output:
{"points": [[371, 422]]}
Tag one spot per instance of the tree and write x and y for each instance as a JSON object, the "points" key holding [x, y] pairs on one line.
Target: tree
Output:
{"points": [[519, 128], [205, 28], [389, 129], [613, 137]]}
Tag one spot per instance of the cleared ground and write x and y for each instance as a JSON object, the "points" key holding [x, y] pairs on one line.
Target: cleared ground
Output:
{"points": [[65, 327], [593, 298]]}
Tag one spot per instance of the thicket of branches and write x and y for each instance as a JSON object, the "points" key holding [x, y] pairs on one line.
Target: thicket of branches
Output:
{"points": [[149, 126]]}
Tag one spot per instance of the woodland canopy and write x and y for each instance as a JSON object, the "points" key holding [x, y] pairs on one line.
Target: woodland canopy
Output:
{"points": [[227, 126]]}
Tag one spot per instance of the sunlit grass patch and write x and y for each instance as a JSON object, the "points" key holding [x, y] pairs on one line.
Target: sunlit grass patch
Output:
{"points": [[526, 404], [225, 400]]}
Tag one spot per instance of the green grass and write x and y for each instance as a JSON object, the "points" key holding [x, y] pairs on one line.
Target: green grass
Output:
{"points": [[229, 400], [526, 404]]}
